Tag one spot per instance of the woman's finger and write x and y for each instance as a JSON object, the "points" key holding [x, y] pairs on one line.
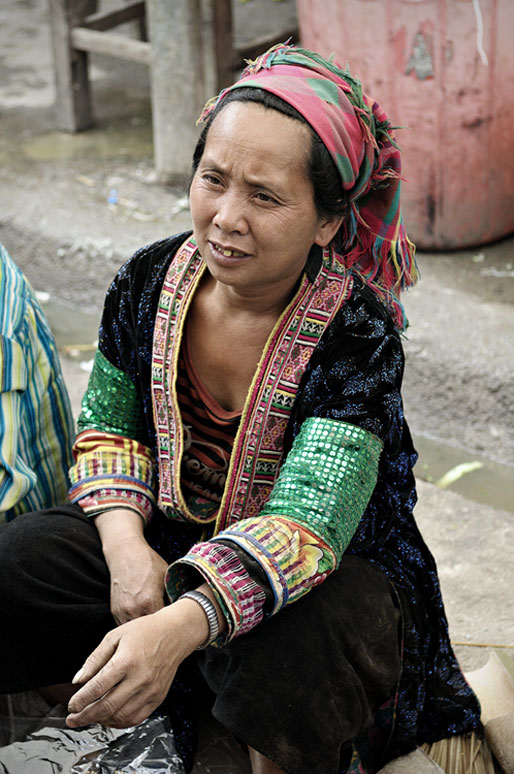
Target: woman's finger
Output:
{"points": [[100, 674], [95, 712], [122, 700], [98, 658], [120, 708]]}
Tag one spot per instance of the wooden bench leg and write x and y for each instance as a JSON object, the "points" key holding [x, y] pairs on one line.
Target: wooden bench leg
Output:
{"points": [[71, 67], [223, 27], [178, 84]]}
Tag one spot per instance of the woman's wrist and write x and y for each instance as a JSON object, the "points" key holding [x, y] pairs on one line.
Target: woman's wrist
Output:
{"points": [[209, 593], [117, 526], [204, 608], [210, 612]]}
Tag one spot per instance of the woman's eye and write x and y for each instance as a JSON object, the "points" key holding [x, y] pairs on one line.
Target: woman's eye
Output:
{"points": [[211, 179], [263, 197]]}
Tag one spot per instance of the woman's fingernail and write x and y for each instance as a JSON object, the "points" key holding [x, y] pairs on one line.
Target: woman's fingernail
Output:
{"points": [[78, 676]]}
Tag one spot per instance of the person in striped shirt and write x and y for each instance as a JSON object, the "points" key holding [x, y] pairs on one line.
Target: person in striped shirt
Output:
{"points": [[36, 423]]}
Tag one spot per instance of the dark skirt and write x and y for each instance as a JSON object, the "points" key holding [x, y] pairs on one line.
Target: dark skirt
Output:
{"points": [[306, 685], [305, 688]]}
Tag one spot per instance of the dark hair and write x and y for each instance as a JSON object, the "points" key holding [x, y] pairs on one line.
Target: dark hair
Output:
{"points": [[329, 197]]}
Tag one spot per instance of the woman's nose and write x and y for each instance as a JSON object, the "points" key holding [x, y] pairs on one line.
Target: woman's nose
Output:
{"points": [[231, 214]]}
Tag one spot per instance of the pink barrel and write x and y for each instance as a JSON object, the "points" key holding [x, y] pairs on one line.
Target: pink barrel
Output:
{"points": [[445, 69]]}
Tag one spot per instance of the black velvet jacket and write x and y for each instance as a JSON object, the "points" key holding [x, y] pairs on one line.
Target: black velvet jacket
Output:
{"points": [[354, 375]]}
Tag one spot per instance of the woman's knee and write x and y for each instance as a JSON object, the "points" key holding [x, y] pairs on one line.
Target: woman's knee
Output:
{"points": [[46, 549]]}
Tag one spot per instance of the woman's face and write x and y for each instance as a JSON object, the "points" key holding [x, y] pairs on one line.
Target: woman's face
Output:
{"points": [[252, 202]]}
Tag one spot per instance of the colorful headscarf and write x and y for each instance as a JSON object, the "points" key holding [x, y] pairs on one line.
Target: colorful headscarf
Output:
{"points": [[358, 135]]}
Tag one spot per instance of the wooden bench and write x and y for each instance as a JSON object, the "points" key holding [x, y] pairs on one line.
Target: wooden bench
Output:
{"points": [[190, 49]]}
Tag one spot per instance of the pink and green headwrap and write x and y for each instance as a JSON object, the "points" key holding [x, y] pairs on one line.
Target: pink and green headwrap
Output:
{"points": [[357, 134]]}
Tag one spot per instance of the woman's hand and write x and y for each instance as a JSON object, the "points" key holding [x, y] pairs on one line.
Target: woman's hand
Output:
{"points": [[137, 580], [130, 672], [137, 571]]}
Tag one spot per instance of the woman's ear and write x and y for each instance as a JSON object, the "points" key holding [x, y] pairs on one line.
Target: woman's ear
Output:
{"points": [[327, 229]]}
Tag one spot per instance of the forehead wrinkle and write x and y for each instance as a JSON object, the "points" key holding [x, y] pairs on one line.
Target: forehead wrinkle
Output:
{"points": [[258, 172]]}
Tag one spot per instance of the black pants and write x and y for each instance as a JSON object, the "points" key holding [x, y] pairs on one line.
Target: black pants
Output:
{"points": [[54, 597], [300, 687]]}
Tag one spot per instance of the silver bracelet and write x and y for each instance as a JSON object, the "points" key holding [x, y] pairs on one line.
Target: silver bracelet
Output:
{"points": [[209, 610]]}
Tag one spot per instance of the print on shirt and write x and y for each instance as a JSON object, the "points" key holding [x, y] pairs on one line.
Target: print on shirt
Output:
{"points": [[204, 466]]}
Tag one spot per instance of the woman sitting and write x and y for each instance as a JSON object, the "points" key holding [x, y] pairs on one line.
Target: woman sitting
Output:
{"points": [[242, 498]]}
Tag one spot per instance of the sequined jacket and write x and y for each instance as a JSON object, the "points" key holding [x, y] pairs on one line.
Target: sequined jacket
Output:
{"points": [[343, 483]]}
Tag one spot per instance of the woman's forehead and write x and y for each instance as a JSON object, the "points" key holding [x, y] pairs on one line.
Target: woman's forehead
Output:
{"points": [[255, 121], [260, 132]]}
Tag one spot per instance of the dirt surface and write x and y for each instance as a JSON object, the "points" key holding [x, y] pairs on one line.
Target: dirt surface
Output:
{"points": [[74, 207], [459, 380]]}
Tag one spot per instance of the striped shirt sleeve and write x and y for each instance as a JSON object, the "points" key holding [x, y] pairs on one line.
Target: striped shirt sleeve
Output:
{"points": [[36, 424]]}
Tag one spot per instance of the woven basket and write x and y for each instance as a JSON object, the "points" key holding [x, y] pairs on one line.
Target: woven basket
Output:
{"points": [[462, 755], [494, 685]]}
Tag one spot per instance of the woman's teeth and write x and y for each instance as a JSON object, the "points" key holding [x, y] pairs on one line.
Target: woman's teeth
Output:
{"points": [[229, 253]]}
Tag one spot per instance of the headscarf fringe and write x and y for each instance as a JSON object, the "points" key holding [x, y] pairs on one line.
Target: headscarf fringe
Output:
{"points": [[265, 60], [387, 266]]}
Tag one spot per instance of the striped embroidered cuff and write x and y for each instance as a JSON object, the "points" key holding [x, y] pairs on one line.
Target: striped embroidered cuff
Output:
{"points": [[240, 597], [107, 499], [111, 472], [293, 559]]}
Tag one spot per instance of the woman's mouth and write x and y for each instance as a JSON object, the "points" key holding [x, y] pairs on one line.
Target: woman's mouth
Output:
{"points": [[226, 252]]}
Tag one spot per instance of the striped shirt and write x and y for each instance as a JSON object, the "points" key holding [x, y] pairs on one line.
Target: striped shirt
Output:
{"points": [[209, 432], [36, 424]]}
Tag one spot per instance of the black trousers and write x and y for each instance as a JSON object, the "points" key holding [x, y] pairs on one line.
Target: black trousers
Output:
{"points": [[300, 688]]}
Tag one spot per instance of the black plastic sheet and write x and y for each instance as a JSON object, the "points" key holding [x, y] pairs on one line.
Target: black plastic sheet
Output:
{"points": [[148, 748]]}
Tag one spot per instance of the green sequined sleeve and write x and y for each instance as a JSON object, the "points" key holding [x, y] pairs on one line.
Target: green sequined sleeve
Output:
{"points": [[327, 480], [317, 502], [110, 403]]}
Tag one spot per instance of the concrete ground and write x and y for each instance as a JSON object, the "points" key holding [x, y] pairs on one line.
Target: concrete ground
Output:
{"points": [[73, 208]]}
